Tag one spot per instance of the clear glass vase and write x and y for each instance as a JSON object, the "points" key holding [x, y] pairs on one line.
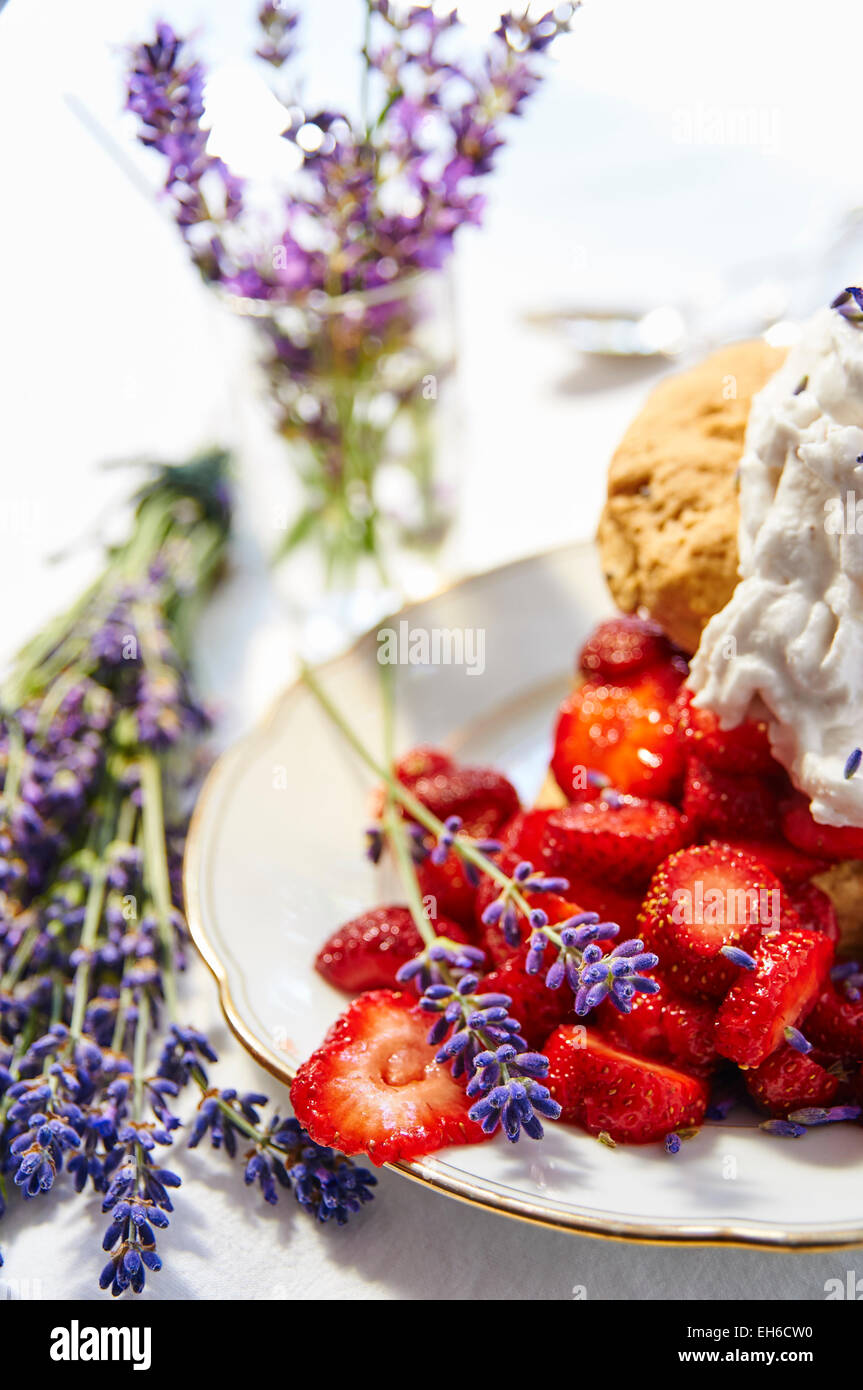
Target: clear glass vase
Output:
{"points": [[362, 389]]}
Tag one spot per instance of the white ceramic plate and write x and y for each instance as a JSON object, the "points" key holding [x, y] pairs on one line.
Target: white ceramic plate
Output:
{"points": [[275, 862]]}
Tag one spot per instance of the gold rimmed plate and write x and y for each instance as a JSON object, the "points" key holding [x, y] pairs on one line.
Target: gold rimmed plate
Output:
{"points": [[274, 863]]}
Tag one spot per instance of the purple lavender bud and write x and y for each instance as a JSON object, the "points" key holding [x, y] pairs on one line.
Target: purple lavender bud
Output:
{"points": [[738, 957], [592, 954], [595, 995], [819, 1115], [852, 763], [672, 1143], [784, 1128], [547, 885], [795, 1039], [493, 912], [842, 971], [509, 923], [556, 974], [522, 871], [628, 948], [537, 918]]}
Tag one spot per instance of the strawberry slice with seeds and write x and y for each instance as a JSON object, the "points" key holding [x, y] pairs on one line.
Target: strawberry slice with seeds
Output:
{"points": [[374, 1086], [623, 647], [790, 971], [422, 761], [606, 1090], [742, 749], [481, 796], [790, 865], [835, 1024], [721, 804], [367, 952], [815, 910], [788, 1080], [826, 841], [666, 1026], [448, 892], [703, 900], [624, 837], [624, 733]]}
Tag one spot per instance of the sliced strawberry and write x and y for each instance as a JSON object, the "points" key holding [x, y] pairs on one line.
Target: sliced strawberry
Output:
{"points": [[621, 647], [827, 841], [742, 749], [448, 891], [720, 804], [790, 971], [373, 1086], [524, 835], [634, 1100], [538, 1009], [788, 1080], [815, 910], [483, 798], [787, 863], [367, 952], [422, 761], [702, 899], [623, 837], [666, 1026], [835, 1024], [612, 904], [626, 733]]}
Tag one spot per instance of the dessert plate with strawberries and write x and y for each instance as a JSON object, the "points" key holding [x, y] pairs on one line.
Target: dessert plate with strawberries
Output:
{"points": [[605, 909]]}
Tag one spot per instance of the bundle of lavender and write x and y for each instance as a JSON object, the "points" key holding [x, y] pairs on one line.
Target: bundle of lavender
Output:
{"points": [[100, 743]]}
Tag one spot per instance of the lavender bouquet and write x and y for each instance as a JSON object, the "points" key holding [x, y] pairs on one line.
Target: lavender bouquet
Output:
{"points": [[343, 292], [100, 746]]}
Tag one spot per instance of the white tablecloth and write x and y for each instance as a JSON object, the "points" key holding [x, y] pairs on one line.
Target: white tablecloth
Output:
{"points": [[622, 182]]}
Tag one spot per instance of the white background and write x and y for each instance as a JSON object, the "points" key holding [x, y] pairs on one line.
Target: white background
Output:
{"points": [[628, 182]]}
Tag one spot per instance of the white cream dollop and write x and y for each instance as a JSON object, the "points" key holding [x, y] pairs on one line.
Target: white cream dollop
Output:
{"points": [[791, 637]]}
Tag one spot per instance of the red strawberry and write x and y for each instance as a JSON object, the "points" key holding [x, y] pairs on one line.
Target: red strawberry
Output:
{"points": [[609, 1091], [609, 902], [422, 761], [624, 732], [835, 1024], [666, 1026], [367, 952], [788, 864], [702, 899], [788, 1080], [538, 1009], [481, 796], [791, 968], [827, 841], [815, 910], [449, 890], [621, 647], [623, 838], [374, 1087], [720, 804], [745, 748], [524, 835]]}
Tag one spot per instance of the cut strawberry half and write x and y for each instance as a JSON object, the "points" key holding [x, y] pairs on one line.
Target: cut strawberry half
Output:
{"points": [[788, 1080], [742, 749], [623, 733], [787, 863], [368, 951], [815, 910], [701, 900], [622, 647], [827, 841], [835, 1024], [790, 970], [422, 761], [481, 796], [666, 1026], [634, 1100], [373, 1086], [537, 1008], [721, 804], [448, 892], [525, 834], [623, 837]]}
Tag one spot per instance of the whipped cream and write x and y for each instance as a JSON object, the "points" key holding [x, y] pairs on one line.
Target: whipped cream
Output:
{"points": [[789, 645]]}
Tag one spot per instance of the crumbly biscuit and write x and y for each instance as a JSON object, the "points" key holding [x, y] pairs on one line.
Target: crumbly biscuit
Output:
{"points": [[668, 533]]}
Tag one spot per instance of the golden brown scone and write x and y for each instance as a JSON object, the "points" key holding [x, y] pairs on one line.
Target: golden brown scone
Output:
{"points": [[668, 533], [843, 884]]}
